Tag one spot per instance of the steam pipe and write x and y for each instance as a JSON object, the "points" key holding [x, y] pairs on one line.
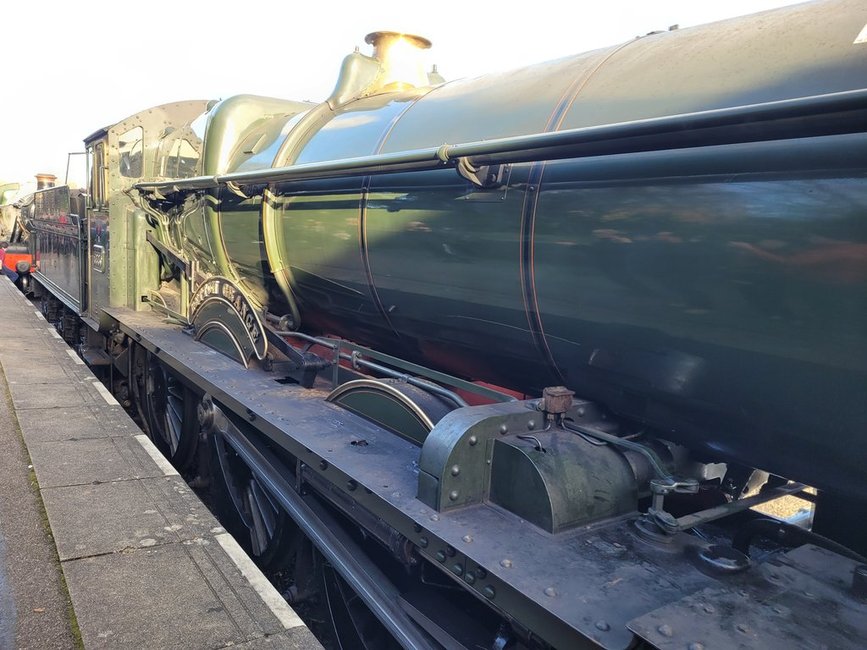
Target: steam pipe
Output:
{"points": [[829, 113]]}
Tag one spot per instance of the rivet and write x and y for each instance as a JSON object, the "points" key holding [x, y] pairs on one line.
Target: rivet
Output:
{"points": [[455, 470], [417, 528], [506, 564], [323, 464], [473, 440], [603, 626], [352, 484], [665, 630], [489, 592], [423, 542], [469, 577], [482, 573], [468, 539], [450, 551], [457, 568], [453, 495], [441, 556], [708, 608], [550, 592], [777, 609], [581, 412], [695, 645], [742, 627], [531, 424], [504, 429], [434, 517], [809, 595]]}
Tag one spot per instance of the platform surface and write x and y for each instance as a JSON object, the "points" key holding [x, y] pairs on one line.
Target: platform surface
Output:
{"points": [[145, 563]]}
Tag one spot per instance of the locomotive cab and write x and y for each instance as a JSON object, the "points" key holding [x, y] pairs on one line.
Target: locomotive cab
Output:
{"points": [[122, 268]]}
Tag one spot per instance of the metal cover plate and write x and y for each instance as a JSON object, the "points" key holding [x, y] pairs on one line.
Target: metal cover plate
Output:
{"points": [[800, 600]]}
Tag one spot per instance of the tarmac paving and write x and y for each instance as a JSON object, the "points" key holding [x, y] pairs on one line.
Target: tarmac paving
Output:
{"points": [[102, 543]]}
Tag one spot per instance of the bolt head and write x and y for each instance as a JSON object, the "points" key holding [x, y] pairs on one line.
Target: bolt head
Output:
{"points": [[665, 630]]}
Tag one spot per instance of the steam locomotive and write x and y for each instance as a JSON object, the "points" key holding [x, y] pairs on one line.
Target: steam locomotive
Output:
{"points": [[508, 362]]}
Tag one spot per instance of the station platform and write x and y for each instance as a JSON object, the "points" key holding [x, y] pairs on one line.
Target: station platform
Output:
{"points": [[138, 561]]}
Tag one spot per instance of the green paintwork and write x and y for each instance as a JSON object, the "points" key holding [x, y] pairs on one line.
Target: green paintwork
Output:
{"points": [[712, 293], [239, 130], [115, 222], [571, 483], [58, 239], [474, 456]]}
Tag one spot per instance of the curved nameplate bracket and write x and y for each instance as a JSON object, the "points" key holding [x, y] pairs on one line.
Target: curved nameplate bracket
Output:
{"points": [[224, 319]]}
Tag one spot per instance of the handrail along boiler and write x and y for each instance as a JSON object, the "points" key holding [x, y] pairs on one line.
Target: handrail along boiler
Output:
{"points": [[507, 361]]}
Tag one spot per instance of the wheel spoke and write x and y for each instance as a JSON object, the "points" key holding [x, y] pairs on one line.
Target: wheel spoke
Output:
{"points": [[166, 409], [355, 626], [264, 507], [258, 532], [174, 424], [252, 514]]}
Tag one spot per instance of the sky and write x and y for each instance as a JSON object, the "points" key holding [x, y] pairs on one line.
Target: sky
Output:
{"points": [[70, 68]]}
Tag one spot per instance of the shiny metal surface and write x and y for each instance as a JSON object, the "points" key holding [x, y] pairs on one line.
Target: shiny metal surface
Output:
{"points": [[58, 242]]}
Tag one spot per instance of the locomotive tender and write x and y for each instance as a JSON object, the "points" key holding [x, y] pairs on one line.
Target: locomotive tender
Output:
{"points": [[506, 361]]}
